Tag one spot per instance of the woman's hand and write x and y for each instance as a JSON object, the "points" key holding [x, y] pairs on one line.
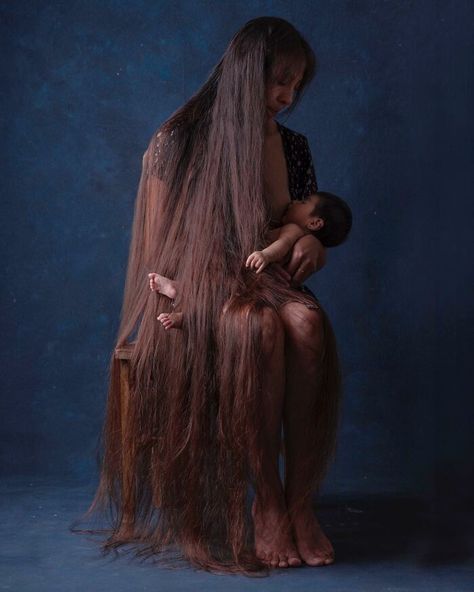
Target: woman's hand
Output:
{"points": [[308, 256]]}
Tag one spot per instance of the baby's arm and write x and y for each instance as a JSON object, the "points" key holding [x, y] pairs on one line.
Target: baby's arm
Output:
{"points": [[276, 251]]}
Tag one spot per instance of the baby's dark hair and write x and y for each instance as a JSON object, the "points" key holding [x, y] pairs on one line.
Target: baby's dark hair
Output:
{"points": [[337, 218]]}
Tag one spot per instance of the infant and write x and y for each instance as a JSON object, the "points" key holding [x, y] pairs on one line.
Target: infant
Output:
{"points": [[324, 215]]}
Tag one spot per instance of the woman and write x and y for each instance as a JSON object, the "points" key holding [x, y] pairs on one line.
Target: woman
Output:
{"points": [[207, 403]]}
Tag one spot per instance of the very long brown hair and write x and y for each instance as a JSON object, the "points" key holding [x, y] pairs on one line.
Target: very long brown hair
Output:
{"points": [[195, 409]]}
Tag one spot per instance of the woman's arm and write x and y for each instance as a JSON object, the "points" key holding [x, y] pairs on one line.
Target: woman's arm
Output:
{"points": [[308, 256], [276, 251]]}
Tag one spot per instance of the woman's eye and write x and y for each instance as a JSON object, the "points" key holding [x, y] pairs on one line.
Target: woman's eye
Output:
{"points": [[287, 83]]}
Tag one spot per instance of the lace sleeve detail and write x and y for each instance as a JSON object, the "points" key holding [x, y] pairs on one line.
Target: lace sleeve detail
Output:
{"points": [[301, 176], [164, 148]]}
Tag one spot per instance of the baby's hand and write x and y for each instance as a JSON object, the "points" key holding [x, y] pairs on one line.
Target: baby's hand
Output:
{"points": [[257, 260]]}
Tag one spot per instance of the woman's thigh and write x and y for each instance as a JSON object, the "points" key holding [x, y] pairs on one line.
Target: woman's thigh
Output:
{"points": [[240, 317]]}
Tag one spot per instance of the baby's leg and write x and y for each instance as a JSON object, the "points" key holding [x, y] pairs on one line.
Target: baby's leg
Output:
{"points": [[171, 320], [163, 285]]}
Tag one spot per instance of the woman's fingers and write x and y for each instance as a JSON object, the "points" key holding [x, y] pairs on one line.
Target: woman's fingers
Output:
{"points": [[301, 274], [281, 273]]}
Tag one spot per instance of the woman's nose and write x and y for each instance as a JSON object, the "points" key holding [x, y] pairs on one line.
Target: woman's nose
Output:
{"points": [[286, 98]]}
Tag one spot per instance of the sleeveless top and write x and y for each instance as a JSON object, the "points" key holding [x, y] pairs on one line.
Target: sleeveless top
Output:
{"points": [[301, 176]]}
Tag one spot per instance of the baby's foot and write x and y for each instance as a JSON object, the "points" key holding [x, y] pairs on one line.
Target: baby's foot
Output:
{"points": [[171, 320], [162, 284]]}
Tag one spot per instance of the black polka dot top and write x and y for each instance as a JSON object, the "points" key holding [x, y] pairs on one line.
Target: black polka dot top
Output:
{"points": [[301, 176]]}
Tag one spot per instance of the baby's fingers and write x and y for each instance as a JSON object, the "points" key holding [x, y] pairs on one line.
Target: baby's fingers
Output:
{"points": [[250, 260]]}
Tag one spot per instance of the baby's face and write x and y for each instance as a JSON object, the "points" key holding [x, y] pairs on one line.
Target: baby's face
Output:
{"points": [[301, 213]]}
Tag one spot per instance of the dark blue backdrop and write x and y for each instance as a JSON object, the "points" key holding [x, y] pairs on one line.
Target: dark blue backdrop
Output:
{"points": [[85, 86]]}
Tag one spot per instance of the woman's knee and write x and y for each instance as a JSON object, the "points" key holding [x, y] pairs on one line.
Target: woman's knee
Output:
{"points": [[265, 320], [302, 324]]}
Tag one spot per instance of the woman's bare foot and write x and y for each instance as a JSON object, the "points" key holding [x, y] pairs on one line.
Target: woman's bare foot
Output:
{"points": [[171, 320], [313, 545], [162, 284], [273, 541]]}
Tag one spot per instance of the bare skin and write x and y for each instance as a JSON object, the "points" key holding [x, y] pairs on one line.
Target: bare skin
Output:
{"points": [[167, 287], [303, 340], [163, 285], [303, 353], [171, 320], [274, 544]]}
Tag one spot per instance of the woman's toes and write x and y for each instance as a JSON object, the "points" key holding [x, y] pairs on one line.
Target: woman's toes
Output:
{"points": [[294, 561], [315, 561], [283, 561], [274, 560]]}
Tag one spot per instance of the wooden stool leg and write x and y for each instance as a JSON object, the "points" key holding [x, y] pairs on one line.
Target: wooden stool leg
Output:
{"points": [[127, 452]]}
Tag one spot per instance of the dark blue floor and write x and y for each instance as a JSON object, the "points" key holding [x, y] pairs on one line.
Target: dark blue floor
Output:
{"points": [[382, 544]]}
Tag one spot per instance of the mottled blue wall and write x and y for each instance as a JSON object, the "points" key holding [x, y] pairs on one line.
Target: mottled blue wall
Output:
{"points": [[85, 86]]}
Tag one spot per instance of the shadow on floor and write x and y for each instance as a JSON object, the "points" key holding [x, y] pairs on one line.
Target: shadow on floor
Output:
{"points": [[377, 528]]}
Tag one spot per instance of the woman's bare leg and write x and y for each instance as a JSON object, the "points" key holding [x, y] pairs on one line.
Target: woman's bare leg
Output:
{"points": [[304, 340], [273, 538]]}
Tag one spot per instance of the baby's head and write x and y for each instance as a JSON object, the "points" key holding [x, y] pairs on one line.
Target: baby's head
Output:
{"points": [[322, 214]]}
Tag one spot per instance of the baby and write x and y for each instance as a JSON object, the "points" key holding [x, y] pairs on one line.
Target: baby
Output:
{"points": [[324, 215]]}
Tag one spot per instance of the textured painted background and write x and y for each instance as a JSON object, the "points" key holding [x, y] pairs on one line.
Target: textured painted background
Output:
{"points": [[85, 84]]}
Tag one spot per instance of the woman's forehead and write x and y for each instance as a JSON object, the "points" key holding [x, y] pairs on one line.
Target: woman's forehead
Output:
{"points": [[290, 68]]}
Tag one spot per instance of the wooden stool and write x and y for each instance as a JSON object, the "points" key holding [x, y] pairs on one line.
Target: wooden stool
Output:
{"points": [[122, 355]]}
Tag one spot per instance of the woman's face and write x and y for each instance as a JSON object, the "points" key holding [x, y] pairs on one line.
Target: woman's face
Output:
{"points": [[280, 90]]}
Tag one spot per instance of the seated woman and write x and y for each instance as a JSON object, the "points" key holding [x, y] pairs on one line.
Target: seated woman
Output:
{"points": [[202, 425]]}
